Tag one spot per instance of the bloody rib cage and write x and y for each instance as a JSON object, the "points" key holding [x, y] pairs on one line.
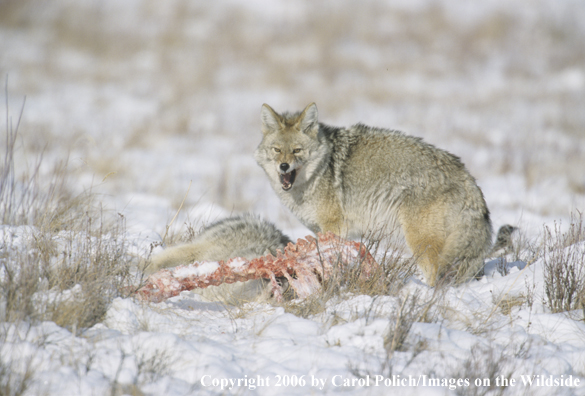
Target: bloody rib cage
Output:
{"points": [[304, 264]]}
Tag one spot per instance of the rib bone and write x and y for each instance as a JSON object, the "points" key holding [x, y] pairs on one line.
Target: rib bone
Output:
{"points": [[304, 264]]}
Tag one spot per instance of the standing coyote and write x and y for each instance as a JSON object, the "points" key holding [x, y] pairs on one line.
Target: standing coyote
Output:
{"points": [[361, 180]]}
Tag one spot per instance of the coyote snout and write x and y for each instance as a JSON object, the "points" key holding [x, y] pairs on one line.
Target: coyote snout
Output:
{"points": [[287, 178]]}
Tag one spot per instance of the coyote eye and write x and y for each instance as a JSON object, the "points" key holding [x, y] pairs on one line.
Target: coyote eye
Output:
{"points": [[276, 150], [296, 151]]}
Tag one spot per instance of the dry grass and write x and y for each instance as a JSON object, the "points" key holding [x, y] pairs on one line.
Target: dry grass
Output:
{"points": [[564, 266], [507, 303], [410, 308], [351, 58], [61, 258], [486, 364], [150, 367], [13, 383], [70, 282]]}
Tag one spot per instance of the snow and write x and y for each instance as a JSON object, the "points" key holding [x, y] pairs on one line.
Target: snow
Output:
{"points": [[156, 105], [237, 263], [205, 268]]}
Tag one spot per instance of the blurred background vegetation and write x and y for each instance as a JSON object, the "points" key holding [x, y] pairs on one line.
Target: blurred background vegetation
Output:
{"points": [[150, 95]]}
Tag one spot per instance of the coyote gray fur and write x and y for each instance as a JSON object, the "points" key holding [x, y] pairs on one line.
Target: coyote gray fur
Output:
{"points": [[245, 236], [503, 244], [362, 180]]}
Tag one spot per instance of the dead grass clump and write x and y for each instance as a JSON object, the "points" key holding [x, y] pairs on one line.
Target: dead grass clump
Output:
{"points": [[488, 371], [564, 266], [91, 273], [61, 258], [68, 277], [150, 367], [409, 312], [396, 266], [508, 303], [14, 383], [524, 248]]}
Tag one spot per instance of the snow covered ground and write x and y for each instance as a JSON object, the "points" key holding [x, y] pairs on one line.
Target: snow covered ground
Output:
{"points": [[156, 107]]}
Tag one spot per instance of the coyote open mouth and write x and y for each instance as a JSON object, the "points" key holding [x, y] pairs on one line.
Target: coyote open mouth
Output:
{"points": [[287, 179]]}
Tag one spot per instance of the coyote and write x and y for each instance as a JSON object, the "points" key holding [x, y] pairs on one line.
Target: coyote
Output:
{"points": [[362, 180], [245, 236]]}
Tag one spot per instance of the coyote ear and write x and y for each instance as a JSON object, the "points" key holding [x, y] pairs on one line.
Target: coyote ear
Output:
{"points": [[270, 119], [309, 118]]}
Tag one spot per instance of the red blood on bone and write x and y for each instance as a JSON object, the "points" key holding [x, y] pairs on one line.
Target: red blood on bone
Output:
{"points": [[305, 265]]}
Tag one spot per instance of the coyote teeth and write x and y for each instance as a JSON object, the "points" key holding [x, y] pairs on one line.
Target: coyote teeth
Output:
{"points": [[287, 179]]}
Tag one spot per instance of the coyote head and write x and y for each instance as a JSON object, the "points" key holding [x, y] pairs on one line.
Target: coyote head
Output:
{"points": [[289, 145]]}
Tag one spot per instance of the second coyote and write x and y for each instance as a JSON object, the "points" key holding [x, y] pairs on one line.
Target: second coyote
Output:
{"points": [[361, 180]]}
